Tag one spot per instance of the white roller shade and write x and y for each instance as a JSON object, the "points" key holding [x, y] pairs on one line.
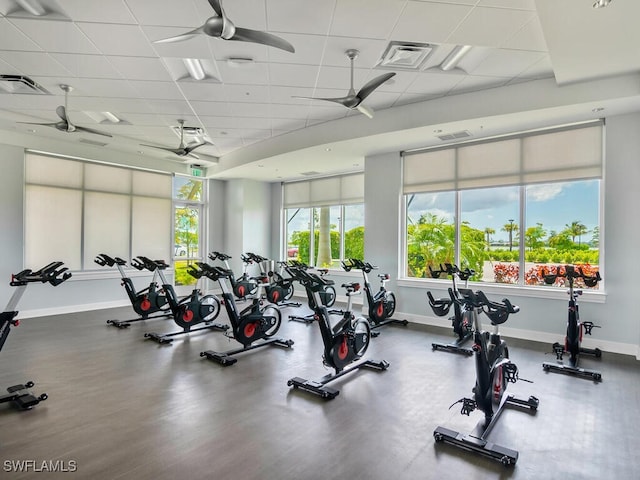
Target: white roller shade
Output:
{"points": [[336, 190], [564, 154]]}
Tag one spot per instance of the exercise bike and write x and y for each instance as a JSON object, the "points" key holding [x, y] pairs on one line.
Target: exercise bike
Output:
{"points": [[344, 344], [441, 307], [243, 286], [256, 322], [189, 311], [327, 293], [494, 371], [575, 328], [54, 274], [149, 303], [382, 304], [277, 289]]}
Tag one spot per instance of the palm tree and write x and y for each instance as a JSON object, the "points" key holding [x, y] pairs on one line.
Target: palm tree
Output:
{"points": [[576, 229], [510, 228], [488, 232], [324, 238]]}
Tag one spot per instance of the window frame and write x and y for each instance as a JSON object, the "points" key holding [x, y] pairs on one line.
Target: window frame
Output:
{"points": [[494, 287]]}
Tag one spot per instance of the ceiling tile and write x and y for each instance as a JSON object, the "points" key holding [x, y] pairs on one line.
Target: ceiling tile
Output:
{"points": [[293, 75], [370, 51], [167, 12], [204, 91], [309, 49], [491, 27], [428, 22], [300, 16], [472, 83], [152, 89], [113, 11], [56, 36], [89, 66], [285, 95], [434, 83], [34, 63], [540, 69], [340, 78], [366, 18], [113, 39], [211, 108], [529, 37], [11, 38], [252, 74], [260, 110], [515, 4], [217, 123], [140, 68]]}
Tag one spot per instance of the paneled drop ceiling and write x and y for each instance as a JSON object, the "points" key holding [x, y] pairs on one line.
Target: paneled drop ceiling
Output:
{"points": [[105, 50]]}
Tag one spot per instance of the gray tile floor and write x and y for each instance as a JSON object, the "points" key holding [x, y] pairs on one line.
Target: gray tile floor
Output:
{"points": [[122, 407]]}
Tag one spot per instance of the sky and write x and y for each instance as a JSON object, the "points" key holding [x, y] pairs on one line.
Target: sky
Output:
{"points": [[553, 205]]}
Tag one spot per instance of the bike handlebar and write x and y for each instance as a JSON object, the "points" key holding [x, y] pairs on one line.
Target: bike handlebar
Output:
{"points": [[219, 256], [571, 272], [53, 273]]}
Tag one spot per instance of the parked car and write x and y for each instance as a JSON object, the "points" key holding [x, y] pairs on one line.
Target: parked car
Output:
{"points": [[292, 252], [180, 251]]}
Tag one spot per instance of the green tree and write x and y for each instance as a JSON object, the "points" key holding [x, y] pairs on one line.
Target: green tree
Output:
{"points": [[561, 241], [510, 228], [354, 243], [576, 229], [324, 240], [595, 237], [533, 236], [488, 232]]}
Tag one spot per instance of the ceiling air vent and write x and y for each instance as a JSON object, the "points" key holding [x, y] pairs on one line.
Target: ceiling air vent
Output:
{"points": [[95, 143], [454, 136], [189, 131], [19, 84], [405, 55]]}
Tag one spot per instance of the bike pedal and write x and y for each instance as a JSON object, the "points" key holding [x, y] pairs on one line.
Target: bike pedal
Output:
{"points": [[468, 406], [510, 372], [588, 326], [558, 350]]}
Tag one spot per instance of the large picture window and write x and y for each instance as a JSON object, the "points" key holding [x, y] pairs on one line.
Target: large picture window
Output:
{"points": [[511, 209], [189, 195], [75, 210], [332, 208]]}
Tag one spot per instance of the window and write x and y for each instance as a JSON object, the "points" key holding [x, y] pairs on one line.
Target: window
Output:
{"points": [[510, 208], [332, 208], [75, 210], [188, 206]]}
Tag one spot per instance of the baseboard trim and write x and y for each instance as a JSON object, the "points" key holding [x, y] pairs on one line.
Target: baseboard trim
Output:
{"points": [[43, 312], [534, 336]]}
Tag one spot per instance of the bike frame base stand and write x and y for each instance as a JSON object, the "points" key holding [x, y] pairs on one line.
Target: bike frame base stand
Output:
{"points": [[22, 397], [307, 319], [127, 323], [320, 387], [569, 370], [165, 338], [504, 455], [477, 440], [226, 358], [455, 347], [388, 321]]}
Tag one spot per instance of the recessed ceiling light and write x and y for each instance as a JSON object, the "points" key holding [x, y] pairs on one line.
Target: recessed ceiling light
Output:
{"points": [[194, 68], [601, 3], [597, 109], [141, 152], [437, 130], [31, 130], [328, 149], [32, 6]]}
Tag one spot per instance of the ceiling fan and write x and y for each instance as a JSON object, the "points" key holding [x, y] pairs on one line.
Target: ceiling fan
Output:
{"points": [[219, 26], [354, 100], [65, 125], [182, 150]]}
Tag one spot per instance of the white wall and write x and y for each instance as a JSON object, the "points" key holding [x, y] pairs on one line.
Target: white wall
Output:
{"points": [[539, 319]]}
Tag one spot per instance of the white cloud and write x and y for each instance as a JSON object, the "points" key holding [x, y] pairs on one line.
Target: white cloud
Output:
{"points": [[542, 193]]}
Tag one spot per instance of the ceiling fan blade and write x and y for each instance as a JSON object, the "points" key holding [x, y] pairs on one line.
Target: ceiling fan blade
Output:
{"points": [[62, 113], [264, 38], [172, 150], [91, 130], [42, 124], [215, 4], [180, 38], [365, 111], [372, 85], [189, 148], [340, 100]]}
